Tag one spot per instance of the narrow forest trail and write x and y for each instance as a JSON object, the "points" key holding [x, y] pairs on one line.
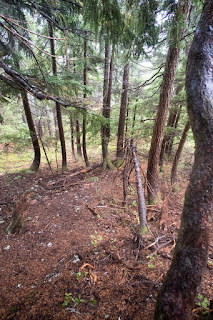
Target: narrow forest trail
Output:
{"points": [[78, 239]]}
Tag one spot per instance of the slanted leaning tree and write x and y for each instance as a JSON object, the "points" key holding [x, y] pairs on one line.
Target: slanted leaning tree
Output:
{"points": [[179, 289]]}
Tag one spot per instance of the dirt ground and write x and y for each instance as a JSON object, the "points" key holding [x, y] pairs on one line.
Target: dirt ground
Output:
{"points": [[76, 256]]}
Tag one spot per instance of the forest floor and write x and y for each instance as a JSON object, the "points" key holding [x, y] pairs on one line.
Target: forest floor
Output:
{"points": [[77, 257]]}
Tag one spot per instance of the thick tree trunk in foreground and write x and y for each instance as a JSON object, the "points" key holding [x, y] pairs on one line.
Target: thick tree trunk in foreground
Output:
{"points": [[164, 100], [121, 125], [178, 154], [176, 297], [37, 154], [57, 104]]}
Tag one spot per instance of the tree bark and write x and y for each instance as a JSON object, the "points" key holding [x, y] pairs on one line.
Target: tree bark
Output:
{"points": [[176, 297], [166, 148], [121, 124], [84, 145], [78, 138], [57, 104], [141, 199], [72, 136], [37, 154], [105, 130], [49, 124], [164, 100], [178, 154]]}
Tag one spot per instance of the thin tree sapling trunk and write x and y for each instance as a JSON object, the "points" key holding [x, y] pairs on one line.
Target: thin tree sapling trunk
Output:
{"points": [[49, 124], [72, 135], [57, 104], [167, 143], [178, 154], [37, 154], [179, 290], [122, 116], [78, 138], [105, 130], [84, 145]]}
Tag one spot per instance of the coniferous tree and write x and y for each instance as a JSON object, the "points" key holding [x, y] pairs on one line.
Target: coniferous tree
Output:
{"points": [[180, 16], [37, 154], [179, 289], [178, 153], [123, 107], [57, 104], [84, 147]]}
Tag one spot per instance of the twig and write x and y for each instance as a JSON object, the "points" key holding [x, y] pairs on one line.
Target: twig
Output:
{"points": [[163, 245]]}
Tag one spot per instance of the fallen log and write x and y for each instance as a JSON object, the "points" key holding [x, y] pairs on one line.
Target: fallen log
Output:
{"points": [[81, 171]]}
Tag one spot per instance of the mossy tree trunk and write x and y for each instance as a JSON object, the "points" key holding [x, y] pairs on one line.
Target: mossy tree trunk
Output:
{"points": [[176, 297]]}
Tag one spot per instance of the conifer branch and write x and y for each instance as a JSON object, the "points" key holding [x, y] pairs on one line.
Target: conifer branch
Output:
{"points": [[24, 84]]}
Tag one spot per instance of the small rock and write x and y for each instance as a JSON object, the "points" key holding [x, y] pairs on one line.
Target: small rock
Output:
{"points": [[76, 258], [7, 247], [49, 244]]}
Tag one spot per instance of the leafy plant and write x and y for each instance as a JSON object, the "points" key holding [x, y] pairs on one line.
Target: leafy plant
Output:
{"points": [[151, 261], [203, 301], [81, 275], [131, 189], [70, 299], [95, 238]]}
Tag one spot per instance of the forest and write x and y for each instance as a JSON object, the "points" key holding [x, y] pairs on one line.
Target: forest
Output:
{"points": [[106, 159]]}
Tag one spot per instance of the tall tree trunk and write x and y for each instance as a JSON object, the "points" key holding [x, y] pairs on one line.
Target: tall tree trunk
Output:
{"points": [[84, 146], [78, 138], [55, 123], [49, 124], [123, 107], [58, 108], [176, 297], [72, 135], [164, 100], [105, 130], [37, 154], [133, 124], [178, 154], [166, 148]]}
